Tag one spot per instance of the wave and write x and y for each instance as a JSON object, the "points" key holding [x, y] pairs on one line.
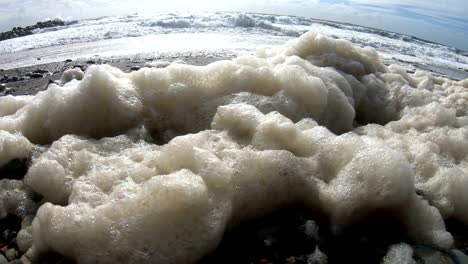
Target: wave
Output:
{"points": [[390, 44]]}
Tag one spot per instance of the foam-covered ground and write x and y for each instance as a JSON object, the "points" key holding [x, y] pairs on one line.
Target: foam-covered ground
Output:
{"points": [[154, 166]]}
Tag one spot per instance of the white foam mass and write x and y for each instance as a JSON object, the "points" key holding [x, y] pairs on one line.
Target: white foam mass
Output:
{"points": [[316, 121], [13, 146], [71, 74]]}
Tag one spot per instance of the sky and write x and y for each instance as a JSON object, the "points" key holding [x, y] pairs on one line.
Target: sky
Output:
{"points": [[442, 21]]}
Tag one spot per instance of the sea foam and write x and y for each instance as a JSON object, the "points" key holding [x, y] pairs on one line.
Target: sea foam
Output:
{"points": [[154, 166]]}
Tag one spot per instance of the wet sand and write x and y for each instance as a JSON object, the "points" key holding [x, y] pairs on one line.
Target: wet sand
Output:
{"points": [[33, 79]]}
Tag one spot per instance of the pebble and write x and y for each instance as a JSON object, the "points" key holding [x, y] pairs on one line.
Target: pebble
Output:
{"points": [[68, 60], [10, 254], [2, 87], [36, 75], [38, 58], [135, 68], [90, 62], [79, 66], [40, 71], [9, 90]]}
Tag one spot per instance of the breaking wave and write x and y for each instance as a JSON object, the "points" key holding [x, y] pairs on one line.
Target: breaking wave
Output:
{"points": [[395, 47]]}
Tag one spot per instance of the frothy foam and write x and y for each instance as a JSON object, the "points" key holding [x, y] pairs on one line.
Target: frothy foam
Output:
{"points": [[316, 121]]}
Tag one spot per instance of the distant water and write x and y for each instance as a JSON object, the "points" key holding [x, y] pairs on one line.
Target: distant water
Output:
{"points": [[215, 32]]}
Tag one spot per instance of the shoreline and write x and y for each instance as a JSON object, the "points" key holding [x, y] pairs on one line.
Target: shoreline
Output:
{"points": [[30, 80]]}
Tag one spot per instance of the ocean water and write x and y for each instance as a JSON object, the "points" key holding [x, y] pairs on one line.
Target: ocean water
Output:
{"points": [[216, 32]]}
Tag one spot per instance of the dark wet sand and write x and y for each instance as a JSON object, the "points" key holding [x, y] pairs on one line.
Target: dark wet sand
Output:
{"points": [[26, 84]]}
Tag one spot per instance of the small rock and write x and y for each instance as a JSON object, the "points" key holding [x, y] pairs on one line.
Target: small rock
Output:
{"points": [[36, 75], [135, 68], [38, 58], [3, 260], [9, 90], [40, 71], [79, 66], [24, 239], [13, 79], [68, 60], [90, 62], [2, 87], [11, 254]]}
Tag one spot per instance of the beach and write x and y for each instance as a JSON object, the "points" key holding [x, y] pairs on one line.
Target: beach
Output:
{"points": [[316, 150]]}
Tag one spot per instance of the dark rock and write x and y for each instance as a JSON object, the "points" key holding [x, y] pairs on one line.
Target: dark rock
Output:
{"points": [[36, 75], [68, 60], [1, 70], [79, 66], [9, 227], [12, 79], [9, 91], [4, 78], [38, 58], [90, 62], [135, 68], [2, 87], [40, 71]]}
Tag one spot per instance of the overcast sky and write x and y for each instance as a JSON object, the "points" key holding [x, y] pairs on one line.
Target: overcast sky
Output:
{"points": [[443, 21]]}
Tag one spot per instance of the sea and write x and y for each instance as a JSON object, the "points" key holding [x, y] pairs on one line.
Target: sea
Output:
{"points": [[219, 33]]}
